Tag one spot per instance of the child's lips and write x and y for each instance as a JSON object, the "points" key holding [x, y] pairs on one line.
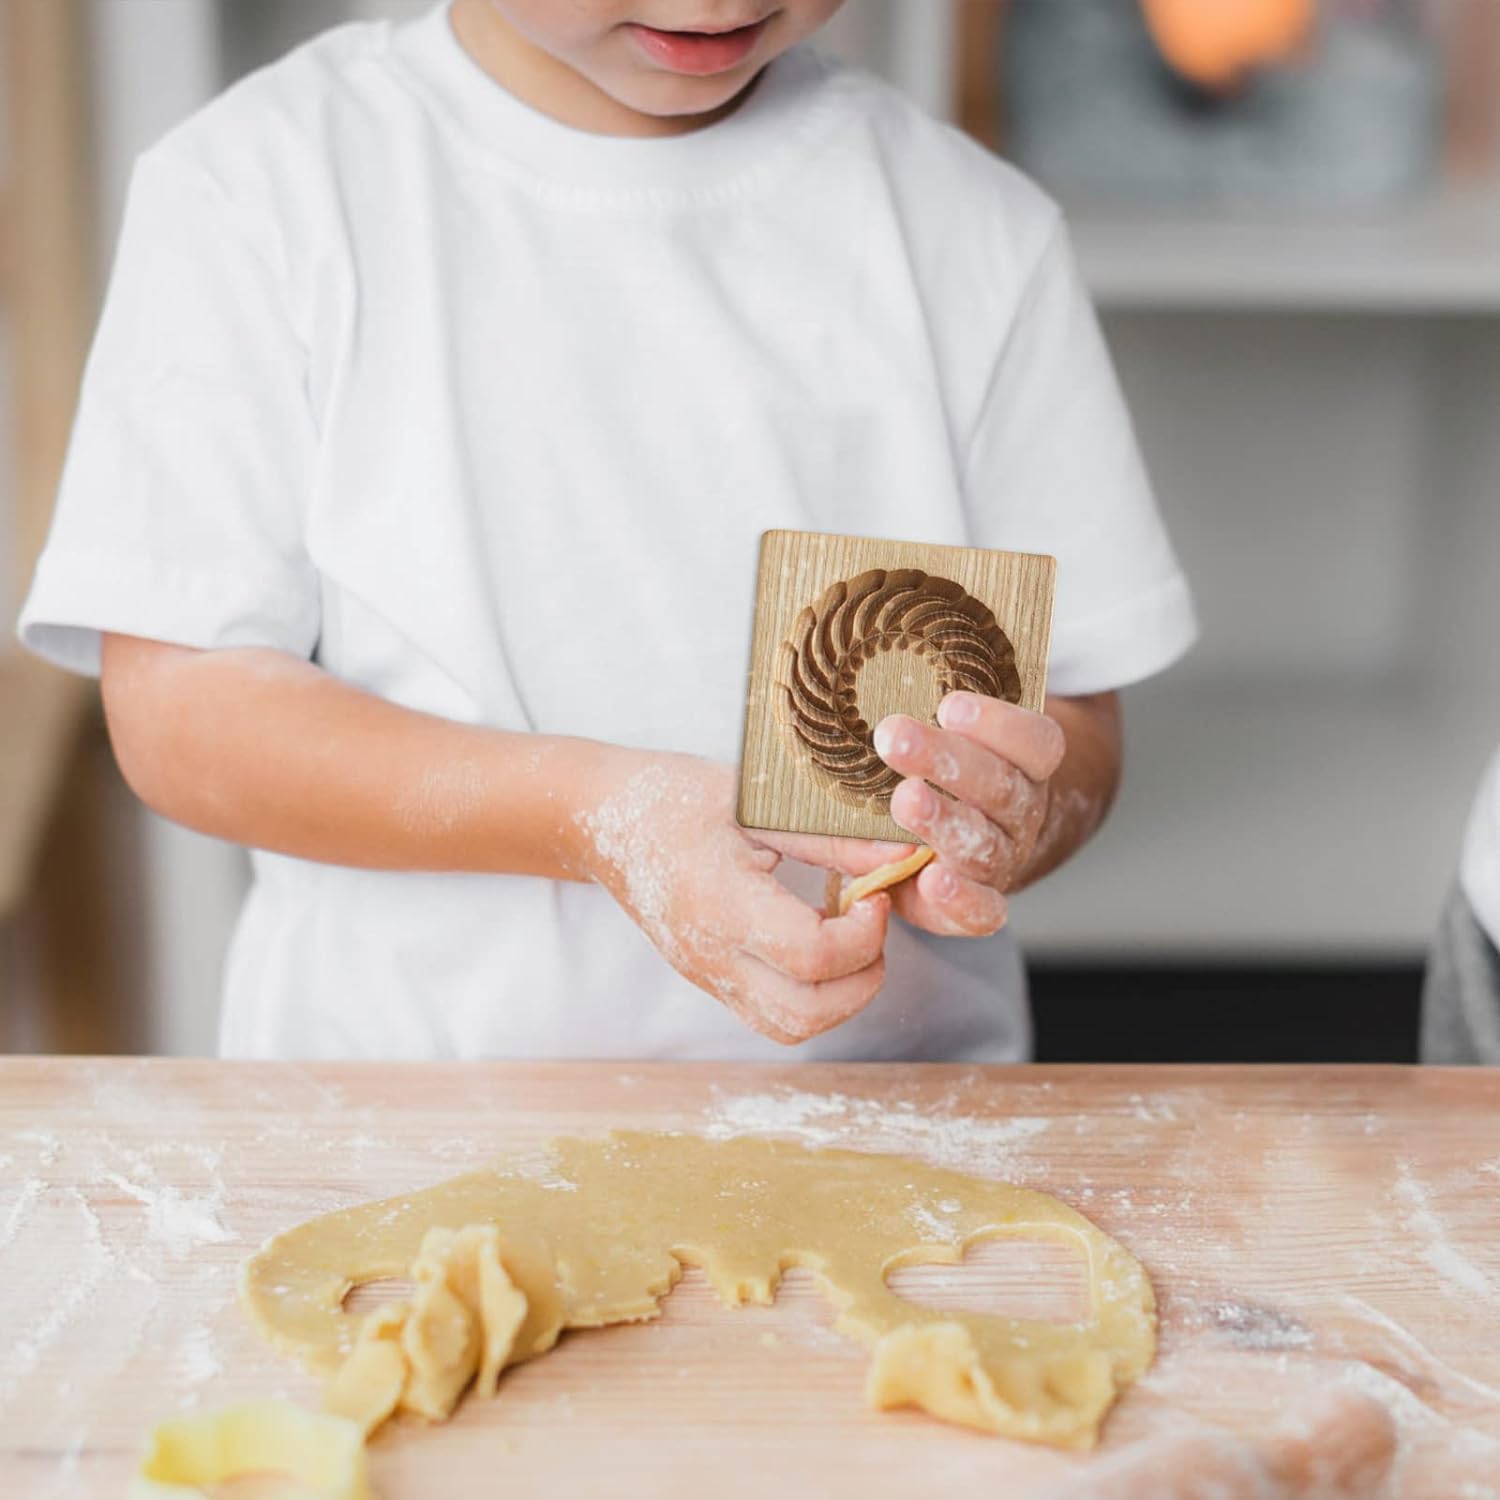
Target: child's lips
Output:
{"points": [[698, 53]]}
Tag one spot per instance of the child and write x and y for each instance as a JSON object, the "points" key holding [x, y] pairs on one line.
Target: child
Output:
{"points": [[1461, 995], [448, 376]]}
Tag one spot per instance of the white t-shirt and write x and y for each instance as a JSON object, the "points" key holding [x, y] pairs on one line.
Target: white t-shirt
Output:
{"points": [[1479, 874], [486, 415]]}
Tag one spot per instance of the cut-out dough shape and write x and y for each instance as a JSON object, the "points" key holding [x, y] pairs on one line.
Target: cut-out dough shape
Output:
{"points": [[839, 901], [323, 1455], [599, 1233]]}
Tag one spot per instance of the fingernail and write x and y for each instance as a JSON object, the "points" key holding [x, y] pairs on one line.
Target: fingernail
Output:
{"points": [[891, 738], [889, 851], [922, 803], [958, 710]]}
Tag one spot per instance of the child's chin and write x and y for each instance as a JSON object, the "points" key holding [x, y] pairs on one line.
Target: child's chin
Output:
{"points": [[668, 96]]}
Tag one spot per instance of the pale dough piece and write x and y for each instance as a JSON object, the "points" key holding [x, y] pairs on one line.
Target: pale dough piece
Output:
{"points": [[601, 1234], [325, 1455], [878, 880], [460, 1325], [367, 1387]]}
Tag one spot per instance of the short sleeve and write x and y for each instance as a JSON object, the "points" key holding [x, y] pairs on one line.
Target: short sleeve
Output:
{"points": [[1479, 872], [179, 516], [1053, 466]]}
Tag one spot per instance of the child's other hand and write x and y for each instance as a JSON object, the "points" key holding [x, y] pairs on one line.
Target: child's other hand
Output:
{"points": [[662, 839], [996, 760]]}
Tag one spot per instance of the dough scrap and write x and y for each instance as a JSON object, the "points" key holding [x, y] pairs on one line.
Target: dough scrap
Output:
{"points": [[601, 1233], [325, 1455], [879, 880], [460, 1326]]}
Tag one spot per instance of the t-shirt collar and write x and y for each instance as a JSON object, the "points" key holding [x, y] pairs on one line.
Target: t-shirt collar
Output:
{"points": [[718, 162]]}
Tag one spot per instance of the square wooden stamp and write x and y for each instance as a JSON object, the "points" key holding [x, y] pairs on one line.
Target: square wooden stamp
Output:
{"points": [[850, 629]]}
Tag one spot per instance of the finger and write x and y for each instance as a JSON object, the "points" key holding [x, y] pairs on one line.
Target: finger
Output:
{"points": [[1029, 740], [1001, 790], [737, 987], [793, 1012], [789, 936], [852, 856], [966, 841], [944, 903]]}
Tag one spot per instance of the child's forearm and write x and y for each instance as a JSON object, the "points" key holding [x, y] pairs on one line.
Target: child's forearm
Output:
{"points": [[1083, 787], [259, 748]]}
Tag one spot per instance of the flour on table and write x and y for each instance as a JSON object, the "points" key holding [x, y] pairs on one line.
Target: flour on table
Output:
{"points": [[49, 1147], [1448, 1380], [90, 1266], [1157, 1107], [1476, 1451], [958, 1140], [1247, 1325], [31, 1189], [1438, 1249], [177, 1221], [196, 1359]]}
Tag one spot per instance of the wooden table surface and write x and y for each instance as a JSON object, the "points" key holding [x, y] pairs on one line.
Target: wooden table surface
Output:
{"points": [[1303, 1226]]}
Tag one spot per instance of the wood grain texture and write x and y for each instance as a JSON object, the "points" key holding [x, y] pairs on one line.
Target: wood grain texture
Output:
{"points": [[850, 629], [1304, 1227]]}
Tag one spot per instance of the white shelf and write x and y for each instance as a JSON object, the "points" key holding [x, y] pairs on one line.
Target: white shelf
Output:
{"points": [[1271, 822], [1439, 255]]}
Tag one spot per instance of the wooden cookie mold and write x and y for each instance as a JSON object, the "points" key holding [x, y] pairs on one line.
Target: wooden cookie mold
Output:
{"points": [[850, 629]]}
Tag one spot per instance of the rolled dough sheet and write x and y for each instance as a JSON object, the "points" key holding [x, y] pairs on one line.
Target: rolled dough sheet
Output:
{"points": [[599, 1233]]}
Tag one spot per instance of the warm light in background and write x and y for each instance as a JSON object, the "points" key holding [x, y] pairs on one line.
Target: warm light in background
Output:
{"points": [[1216, 42]]}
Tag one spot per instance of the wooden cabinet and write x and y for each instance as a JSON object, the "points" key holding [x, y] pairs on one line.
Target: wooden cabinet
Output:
{"points": [[65, 936]]}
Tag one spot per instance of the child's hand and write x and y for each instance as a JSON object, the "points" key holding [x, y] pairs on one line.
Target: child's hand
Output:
{"points": [[662, 839], [996, 760]]}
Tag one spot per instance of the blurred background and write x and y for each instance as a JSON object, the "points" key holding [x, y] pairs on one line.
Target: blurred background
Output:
{"points": [[1293, 235]]}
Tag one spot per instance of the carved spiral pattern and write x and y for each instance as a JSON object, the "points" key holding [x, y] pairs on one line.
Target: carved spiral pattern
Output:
{"points": [[854, 620]]}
